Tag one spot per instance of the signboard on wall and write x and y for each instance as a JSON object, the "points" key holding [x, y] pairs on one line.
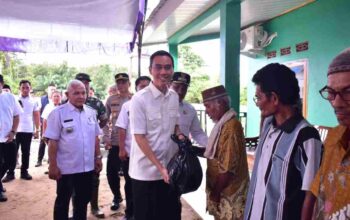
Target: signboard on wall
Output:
{"points": [[300, 67]]}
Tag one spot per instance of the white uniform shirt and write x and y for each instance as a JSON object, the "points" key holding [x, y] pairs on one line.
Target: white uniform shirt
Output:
{"points": [[76, 133], [124, 122], [9, 107], [189, 124], [155, 115], [47, 110], [26, 122]]}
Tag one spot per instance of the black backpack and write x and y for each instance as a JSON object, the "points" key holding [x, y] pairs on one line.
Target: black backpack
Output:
{"points": [[184, 169]]}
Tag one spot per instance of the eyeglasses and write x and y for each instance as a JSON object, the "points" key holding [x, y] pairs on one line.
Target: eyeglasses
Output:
{"points": [[159, 67], [256, 99], [330, 94]]}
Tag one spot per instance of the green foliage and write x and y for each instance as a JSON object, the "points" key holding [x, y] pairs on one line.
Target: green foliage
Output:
{"points": [[243, 96], [192, 64], [198, 84], [41, 75]]}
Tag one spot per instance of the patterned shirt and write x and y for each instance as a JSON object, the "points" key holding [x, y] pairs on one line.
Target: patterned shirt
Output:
{"points": [[332, 183], [230, 156], [290, 156], [97, 104]]}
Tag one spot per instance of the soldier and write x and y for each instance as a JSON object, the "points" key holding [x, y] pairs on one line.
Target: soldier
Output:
{"points": [[96, 104], [188, 121], [110, 136]]}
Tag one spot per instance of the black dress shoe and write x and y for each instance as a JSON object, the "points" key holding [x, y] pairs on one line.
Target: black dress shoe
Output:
{"points": [[26, 176], [98, 213], [115, 206], [8, 178], [38, 164], [3, 197]]}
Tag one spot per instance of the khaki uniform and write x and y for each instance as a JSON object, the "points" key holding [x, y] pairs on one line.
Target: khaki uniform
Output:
{"points": [[113, 106]]}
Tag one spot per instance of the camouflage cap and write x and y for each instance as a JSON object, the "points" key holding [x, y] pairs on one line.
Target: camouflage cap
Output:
{"points": [[214, 93], [180, 77], [83, 76], [120, 76]]}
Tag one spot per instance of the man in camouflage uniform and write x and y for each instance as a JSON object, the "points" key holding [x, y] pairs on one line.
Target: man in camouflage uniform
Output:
{"points": [[110, 135], [96, 104]]}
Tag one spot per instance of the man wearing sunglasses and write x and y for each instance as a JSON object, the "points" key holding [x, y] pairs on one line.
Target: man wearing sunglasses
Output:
{"points": [[331, 186]]}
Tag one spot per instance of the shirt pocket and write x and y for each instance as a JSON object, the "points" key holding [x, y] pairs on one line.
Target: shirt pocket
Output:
{"points": [[154, 118], [69, 130]]}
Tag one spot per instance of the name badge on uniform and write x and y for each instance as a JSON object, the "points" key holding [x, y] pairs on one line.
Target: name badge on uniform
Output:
{"points": [[69, 130]]}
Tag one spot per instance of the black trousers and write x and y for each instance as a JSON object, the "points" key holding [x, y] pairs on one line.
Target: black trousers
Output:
{"points": [[41, 152], [23, 140], [7, 157], [81, 184], [113, 167], [155, 200], [129, 211]]}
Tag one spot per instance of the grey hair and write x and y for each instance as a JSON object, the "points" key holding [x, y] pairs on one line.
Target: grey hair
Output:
{"points": [[224, 101], [73, 83]]}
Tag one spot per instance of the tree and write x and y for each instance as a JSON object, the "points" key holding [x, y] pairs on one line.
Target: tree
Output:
{"points": [[192, 64]]}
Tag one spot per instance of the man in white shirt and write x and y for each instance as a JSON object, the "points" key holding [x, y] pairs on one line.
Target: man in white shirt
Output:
{"points": [[74, 152], [44, 100], [9, 119], [188, 122], [124, 140], [154, 114], [26, 130]]}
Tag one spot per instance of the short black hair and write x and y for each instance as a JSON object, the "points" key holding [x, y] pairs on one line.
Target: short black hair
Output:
{"points": [[52, 84], [6, 86], [161, 53], [139, 79], [24, 81], [279, 79]]}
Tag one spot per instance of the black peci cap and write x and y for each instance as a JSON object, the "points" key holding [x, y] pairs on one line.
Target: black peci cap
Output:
{"points": [[180, 77], [83, 76]]}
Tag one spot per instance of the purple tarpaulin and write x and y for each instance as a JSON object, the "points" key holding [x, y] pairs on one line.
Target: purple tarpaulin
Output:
{"points": [[139, 21], [13, 44]]}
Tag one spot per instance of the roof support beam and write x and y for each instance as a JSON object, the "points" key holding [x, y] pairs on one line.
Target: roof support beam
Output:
{"points": [[201, 21], [230, 26], [173, 50], [203, 37]]}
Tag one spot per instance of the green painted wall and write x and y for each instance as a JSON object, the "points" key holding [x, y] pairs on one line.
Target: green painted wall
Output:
{"points": [[325, 24]]}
